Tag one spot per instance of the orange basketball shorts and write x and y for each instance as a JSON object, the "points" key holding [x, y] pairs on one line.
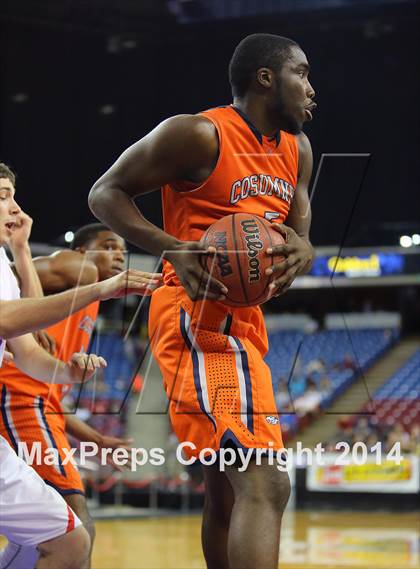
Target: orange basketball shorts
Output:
{"points": [[28, 420], [211, 358]]}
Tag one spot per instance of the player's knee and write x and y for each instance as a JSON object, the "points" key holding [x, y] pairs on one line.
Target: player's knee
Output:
{"points": [[69, 551], [80, 548], [270, 489], [277, 490]]}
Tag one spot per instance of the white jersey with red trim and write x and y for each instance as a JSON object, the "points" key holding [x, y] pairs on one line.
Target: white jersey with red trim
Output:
{"points": [[9, 289], [30, 511]]}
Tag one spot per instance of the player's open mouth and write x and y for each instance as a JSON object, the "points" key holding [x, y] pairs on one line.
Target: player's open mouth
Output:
{"points": [[10, 225]]}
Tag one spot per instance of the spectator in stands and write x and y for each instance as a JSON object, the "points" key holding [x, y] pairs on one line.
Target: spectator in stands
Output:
{"points": [[398, 435], [283, 401], [316, 365], [345, 433], [372, 440], [362, 429], [415, 439], [346, 363], [310, 401], [325, 387], [297, 385]]}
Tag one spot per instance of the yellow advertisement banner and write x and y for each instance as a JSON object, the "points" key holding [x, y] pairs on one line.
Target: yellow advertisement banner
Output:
{"points": [[369, 473]]}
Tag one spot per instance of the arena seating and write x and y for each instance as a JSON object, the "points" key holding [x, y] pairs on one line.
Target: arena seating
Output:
{"points": [[291, 351], [117, 376], [397, 400]]}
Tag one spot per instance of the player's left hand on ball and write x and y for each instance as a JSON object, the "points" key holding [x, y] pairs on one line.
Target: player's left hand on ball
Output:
{"points": [[83, 366], [297, 256]]}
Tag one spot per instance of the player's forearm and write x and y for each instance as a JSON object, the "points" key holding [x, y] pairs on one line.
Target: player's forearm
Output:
{"points": [[30, 285], [80, 430], [37, 363], [118, 211], [18, 317]]}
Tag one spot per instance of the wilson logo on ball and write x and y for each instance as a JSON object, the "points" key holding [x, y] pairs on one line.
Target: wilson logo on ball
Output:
{"points": [[220, 241], [254, 245], [241, 241]]}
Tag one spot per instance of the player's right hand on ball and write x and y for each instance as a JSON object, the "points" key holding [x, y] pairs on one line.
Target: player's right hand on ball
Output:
{"points": [[198, 283], [130, 282], [82, 366]]}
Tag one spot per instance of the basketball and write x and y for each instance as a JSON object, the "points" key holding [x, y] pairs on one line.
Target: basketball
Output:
{"points": [[241, 241]]}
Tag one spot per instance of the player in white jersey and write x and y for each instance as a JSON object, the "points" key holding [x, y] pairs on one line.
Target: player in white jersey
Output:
{"points": [[33, 516]]}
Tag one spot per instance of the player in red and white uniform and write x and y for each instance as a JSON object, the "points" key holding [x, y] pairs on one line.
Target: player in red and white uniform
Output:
{"points": [[33, 516]]}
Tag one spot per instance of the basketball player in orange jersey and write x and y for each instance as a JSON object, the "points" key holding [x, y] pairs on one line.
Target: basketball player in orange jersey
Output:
{"points": [[97, 254], [40, 526], [250, 157]]}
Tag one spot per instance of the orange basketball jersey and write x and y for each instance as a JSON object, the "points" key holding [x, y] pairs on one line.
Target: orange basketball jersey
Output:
{"points": [[71, 335], [212, 356], [254, 174]]}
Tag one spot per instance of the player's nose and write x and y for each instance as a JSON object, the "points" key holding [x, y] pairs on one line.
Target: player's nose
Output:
{"points": [[14, 208], [119, 256], [310, 91]]}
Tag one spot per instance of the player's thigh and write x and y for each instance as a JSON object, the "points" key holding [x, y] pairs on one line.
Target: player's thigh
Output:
{"points": [[261, 482]]}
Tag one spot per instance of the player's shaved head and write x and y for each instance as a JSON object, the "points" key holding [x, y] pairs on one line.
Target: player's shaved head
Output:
{"points": [[253, 53]]}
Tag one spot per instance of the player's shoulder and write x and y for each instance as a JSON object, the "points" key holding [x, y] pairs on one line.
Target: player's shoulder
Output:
{"points": [[194, 135], [66, 255], [62, 258], [193, 127], [72, 268]]}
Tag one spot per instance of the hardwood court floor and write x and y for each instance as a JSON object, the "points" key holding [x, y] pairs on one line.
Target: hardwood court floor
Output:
{"points": [[310, 540]]}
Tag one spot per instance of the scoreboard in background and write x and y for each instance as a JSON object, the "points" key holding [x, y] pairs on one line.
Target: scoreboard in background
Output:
{"points": [[360, 267]]}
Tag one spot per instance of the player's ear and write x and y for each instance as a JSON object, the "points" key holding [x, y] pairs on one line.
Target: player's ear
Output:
{"points": [[265, 77]]}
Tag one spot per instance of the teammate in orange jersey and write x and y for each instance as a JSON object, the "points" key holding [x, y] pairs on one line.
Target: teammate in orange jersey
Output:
{"points": [[251, 157], [32, 412]]}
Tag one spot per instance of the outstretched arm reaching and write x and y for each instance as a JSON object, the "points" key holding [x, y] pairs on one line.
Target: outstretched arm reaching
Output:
{"points": [[25, 315]]}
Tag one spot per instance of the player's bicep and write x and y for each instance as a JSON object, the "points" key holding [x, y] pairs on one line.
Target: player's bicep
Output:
{"points": [[51, 281], [169, 152]]}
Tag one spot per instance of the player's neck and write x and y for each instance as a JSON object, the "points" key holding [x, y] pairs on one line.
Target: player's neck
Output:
{"points": [[257, 114]]}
